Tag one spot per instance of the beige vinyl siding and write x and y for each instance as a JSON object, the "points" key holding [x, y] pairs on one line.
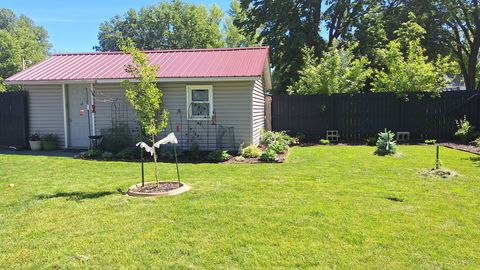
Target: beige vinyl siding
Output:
{"points": [[112, 109], [258, 110], [232, 105], [232, 102], [45, 110]]}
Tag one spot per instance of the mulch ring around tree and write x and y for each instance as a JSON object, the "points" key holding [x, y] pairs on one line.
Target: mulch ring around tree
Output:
{"points": [[463, 147], [152, 189], [439, 173]]}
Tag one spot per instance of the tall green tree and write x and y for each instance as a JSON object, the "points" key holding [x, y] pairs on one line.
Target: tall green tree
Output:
{"points": [[462, 29], [340, 16], [22, 44], [167, 25], [287, 26], [407, 66], [234, 37], [337, 71]]}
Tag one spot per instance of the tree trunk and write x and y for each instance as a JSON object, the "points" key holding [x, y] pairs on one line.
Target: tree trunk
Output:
{"points": [[155, 160]]}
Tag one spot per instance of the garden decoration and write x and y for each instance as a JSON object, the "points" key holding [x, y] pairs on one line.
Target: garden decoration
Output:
{"points": [[170, 138]]}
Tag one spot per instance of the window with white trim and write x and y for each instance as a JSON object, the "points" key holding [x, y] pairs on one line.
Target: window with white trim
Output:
{"points": [[199, 102]]}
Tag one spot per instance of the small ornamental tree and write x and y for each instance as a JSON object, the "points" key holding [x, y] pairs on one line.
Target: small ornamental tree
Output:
{"points": [[144, 95], [386, 144], [338, 71]]}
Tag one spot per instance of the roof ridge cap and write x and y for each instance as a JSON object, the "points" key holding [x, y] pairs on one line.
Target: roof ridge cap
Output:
{"points": [[166, 51]]}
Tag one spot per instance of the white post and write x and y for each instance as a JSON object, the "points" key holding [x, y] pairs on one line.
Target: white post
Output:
{"points": [[65, 116], [91, 109]]}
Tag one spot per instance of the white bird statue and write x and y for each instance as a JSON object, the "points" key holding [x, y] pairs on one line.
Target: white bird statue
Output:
{"points": [[169, 139], [146, 147]]}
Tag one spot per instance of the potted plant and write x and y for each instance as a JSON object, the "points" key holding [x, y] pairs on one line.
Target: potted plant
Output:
{"points": [[49, 142], [35, 142]]}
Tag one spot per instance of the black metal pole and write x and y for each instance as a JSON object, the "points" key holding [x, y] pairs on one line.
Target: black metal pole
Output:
{"points": [[143, 173], [141, 158], [437, 160], [176, 163]]}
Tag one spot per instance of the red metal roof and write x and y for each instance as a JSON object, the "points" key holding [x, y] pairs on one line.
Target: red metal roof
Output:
{"points": [[194, 63]]}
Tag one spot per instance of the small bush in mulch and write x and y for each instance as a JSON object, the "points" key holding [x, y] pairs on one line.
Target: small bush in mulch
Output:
{"points": [[154, 188], [251, 151], [219, 156], [90, 154], [324, 141], [269, 155], [431, 142], [129, 153], [439, 173]]}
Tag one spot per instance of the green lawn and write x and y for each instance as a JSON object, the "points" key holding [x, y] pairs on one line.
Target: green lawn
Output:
{"points": [[326, 207]]}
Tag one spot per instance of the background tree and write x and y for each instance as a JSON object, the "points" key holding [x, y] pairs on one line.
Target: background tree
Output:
{"points": [[340, 16], [233, 35], [145, 96], [336, 72], [21, 42], [408, 68], [167, 25], [287, 27], [462, 29]]}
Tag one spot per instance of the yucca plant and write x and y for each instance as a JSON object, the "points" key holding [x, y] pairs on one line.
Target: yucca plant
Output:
{"points": [[386, 144]]}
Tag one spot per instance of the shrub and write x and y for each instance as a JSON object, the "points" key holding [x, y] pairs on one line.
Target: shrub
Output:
{"points": [[432, 141], [466, 132], [477, 141], [50, 138], [269, 137], [386, 144], [167, 152], [219, 155], [92, 153], [300, 137], [324, 141], [195, 151], [129, 153], [108, 155], [268, 155], [278, 147], [116, 139], [251, 151]]}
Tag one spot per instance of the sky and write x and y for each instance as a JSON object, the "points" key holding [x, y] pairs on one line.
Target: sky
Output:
{"points": [[73, 25]]}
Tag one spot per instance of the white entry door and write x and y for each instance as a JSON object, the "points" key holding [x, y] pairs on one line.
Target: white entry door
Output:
{"points": [[78, 98]]}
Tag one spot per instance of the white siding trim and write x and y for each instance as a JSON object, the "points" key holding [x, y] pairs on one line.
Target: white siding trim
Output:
{"points": [[65, 116], [91, 109], [210, 99]]}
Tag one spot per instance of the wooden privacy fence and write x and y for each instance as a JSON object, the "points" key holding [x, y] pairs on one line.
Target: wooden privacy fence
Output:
{"points": [[359, 116], [13, 119]]}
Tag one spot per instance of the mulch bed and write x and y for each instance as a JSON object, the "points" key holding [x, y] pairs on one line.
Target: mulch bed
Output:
{"points": [[462, 147], [237, 160], [153, 188]]}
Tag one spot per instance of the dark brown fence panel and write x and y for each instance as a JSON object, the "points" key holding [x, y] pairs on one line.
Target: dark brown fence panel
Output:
{"points": [[359, 116], [13, 119]]}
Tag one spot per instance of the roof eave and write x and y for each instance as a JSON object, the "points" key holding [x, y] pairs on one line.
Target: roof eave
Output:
{"points": [[106, 81]]}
